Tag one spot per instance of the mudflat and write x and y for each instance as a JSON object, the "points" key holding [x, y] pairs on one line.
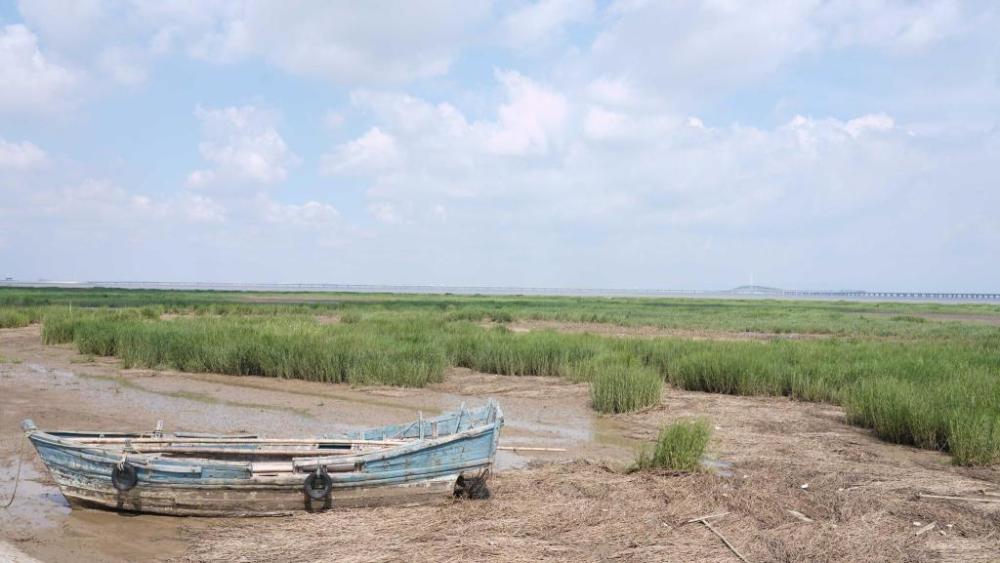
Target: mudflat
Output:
{"points": [[797, 482]]}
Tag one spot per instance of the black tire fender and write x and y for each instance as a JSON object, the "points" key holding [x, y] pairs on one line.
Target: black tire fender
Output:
{"points": [[124, 476], [472, 488], [318, 485]]}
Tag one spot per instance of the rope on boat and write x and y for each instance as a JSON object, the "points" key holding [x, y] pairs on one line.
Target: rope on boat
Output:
{"points": [[17, 476]]}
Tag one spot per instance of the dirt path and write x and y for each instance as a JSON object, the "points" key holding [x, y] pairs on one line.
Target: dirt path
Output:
{"points": [[860, 493]]}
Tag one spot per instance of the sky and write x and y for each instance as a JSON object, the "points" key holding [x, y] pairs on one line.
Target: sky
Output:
{"points": [[812, 144]]}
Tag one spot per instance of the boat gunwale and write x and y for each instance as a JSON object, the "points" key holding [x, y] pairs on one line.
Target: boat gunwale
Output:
{"points": [[105, 454]]}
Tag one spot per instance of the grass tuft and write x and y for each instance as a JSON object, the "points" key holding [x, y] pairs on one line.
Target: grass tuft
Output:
{"points": [[351, 317], [679, 447], [17, 318], [618, 386]]}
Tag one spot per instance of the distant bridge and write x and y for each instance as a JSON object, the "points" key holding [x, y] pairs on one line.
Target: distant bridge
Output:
{"points": [[920, 296], [761, 291]]}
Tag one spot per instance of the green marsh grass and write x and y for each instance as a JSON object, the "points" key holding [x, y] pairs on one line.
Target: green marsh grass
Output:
{"points": [[498, 350], [11, 317], [679, 447], [403, 354], [621, 384], [923, 382], [839, 318]]}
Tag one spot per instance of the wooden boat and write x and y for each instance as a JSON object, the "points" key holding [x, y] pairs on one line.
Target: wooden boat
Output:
{"points": [[233, 475]]}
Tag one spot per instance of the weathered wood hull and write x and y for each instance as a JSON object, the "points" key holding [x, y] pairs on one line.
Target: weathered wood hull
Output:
{"points": [[416, 470], [250, 500]]}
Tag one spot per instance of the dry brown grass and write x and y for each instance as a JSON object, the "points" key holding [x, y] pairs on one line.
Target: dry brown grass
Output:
{"points": [[585, 512]]}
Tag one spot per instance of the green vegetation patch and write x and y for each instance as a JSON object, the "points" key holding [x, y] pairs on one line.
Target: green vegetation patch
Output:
{"points": [[17, 318], [911, 379], [679, 447], [619, 385], [294, 347]]}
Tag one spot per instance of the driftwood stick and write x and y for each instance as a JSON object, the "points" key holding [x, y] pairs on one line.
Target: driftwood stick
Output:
{"points": [[799, 515], [968, 499], [725, 541], [926, 528], [704, 520], [701, 518]]}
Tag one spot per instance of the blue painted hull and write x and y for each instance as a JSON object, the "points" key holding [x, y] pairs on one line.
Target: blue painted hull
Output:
{"points": [[213, 475]]}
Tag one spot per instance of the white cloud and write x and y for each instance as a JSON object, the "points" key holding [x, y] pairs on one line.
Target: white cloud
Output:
{"points": [[695, 123], [68, 25], [294, 226], [540, 22], [699, 45], [122, 65], [670, 184], [202, 209], [121, 40], [418, 142], [616, 92], [321, 39], [373, 151], [530, 121], [894, 24], [870, 122], [30, 81], [306, 37], [117, 42], [312, 214], [685, 49], [99, 201], [20, 156], [601, 123], [95, 201], [243, 145], [584, 165], [385, 212]]}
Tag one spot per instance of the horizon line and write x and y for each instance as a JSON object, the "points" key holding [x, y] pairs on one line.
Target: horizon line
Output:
{"points": [[739, 291]]}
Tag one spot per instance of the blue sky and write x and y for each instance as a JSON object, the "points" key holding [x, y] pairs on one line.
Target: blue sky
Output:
{"points": [[559, 143]]}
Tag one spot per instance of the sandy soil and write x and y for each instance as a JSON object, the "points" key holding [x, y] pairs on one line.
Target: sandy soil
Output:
{"points": [[861, 494]]}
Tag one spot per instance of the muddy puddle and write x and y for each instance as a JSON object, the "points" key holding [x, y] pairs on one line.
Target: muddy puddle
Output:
{"points": [[59, 389]]}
